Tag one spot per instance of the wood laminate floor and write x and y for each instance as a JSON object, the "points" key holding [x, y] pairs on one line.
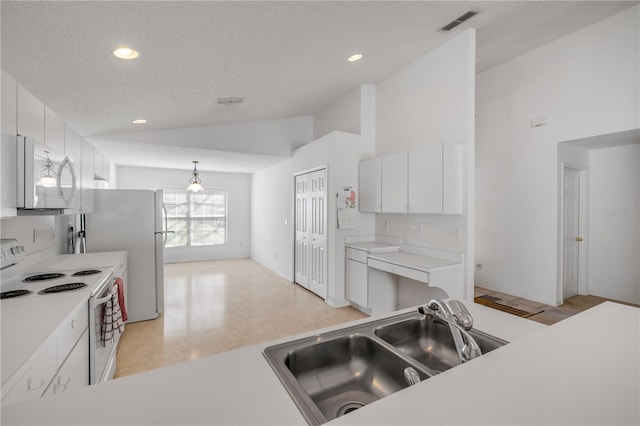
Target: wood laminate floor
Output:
{"points": [[217, 306]]}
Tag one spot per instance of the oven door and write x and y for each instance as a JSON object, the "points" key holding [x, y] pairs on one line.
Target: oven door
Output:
{"points": [[101, 354]]}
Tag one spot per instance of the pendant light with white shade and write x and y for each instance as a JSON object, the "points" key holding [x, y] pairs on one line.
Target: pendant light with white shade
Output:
{"points": [[195, 183]]}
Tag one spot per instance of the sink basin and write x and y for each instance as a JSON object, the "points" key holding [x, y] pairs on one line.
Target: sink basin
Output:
{"points": [[334, 373], [430, 342], [346, 373]]}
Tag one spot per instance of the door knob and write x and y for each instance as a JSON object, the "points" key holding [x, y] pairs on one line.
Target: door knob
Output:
{"points": [[578, 239]]}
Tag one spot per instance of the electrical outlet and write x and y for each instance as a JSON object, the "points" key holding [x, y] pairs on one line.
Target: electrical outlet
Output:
{"points": [[386, 225], [286, 220], [414, 229]]}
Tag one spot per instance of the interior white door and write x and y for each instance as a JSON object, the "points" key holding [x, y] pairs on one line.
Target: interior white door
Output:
{"points": [[302, 231], [311, 232], [571, 233], [318, 200]]}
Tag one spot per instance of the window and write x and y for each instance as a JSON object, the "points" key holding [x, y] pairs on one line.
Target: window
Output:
{"points": [[196, 218]]}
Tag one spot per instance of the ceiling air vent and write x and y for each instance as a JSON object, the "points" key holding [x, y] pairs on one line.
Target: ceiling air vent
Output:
{"points": [[459, 20], [229, 101]]}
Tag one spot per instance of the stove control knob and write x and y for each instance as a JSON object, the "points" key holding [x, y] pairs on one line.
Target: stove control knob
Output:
{"points": [[17, 250]]}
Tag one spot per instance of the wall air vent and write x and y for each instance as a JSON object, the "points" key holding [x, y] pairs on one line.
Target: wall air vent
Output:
{"points": [[229, 101], [459, 20]]}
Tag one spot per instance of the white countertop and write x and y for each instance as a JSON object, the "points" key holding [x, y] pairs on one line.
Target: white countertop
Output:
{"points": [[583, 370], [414, 261], [373, 246], [64, 262]]}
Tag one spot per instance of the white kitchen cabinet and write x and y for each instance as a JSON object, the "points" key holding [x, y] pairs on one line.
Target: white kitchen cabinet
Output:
{"points": [[8, 155], [370, 174], [435, 179], [102, 166], [98, 165], [30, 115], [54, 128], [394, 183], [62, 363], [357, 277], [73, 150], [35, 381], [86, 174], [74, 371], [106, 168]]}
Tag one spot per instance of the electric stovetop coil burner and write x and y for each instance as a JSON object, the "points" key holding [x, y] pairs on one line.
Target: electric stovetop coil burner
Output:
{"points": [[43, 277], [63, 287], [86, 272], [14, 293]]}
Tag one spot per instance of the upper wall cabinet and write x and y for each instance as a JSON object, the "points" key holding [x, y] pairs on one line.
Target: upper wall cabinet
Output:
{"points": [[435, 179], [8, 155], [73, 150], [394, 183], [30, 115], [101, 166], [370, 173], [87, 173], [427, 179], [53, 130]]}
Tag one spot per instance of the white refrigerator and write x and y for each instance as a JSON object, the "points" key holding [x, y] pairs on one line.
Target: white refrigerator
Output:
{"points": [[132, 220]]}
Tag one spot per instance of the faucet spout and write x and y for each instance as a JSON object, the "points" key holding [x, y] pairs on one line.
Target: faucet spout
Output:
{"points": [[456, 315]]}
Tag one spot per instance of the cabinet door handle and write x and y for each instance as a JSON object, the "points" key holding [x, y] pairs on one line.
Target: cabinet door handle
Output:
{"points": [[30, 381]]}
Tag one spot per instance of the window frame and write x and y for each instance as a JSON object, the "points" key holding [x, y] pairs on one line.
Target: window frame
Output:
{"points": [[190, 219]]}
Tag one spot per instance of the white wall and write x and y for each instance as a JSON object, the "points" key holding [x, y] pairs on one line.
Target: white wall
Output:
{"points": [[573, 156], [238, 186], [614, 223], [342, 115], [585, 84], [41, 236], [273, 201], [432, 100], [272, 235]]}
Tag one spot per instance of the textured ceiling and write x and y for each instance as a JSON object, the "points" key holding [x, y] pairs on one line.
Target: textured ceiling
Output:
{"points": [[286, 58]]}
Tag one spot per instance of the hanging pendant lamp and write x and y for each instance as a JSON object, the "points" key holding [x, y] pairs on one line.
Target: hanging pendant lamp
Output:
{"points": [[47, 174], [195, 184]]}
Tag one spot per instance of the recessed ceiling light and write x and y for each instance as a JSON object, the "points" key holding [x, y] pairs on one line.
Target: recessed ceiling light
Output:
{"points": [[139, 121], [125, 53], [355, 57]]}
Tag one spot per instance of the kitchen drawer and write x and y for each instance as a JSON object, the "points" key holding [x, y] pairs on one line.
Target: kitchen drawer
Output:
{"points": [[357, 255], [69, 331], [402, 271], [34, 382]]}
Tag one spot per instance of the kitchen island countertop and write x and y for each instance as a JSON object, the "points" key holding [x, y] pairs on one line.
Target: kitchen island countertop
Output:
{"points": [[583, 370]]}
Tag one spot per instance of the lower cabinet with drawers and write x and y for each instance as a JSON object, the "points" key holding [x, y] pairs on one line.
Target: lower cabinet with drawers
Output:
{"points": [[60, 364]]}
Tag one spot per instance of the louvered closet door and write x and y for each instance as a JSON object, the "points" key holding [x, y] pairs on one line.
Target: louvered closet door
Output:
{"points": [[311, 232], [318, 266], [302, 254]]}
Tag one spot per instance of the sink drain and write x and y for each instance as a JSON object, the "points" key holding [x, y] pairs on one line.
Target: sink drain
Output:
{"points": [[348, 407]]}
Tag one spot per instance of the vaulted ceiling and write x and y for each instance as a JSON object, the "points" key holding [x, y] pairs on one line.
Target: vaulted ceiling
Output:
{"points": [[288, 59]]}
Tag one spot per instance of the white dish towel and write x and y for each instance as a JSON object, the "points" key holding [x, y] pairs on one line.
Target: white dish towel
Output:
{"points": [[111, 318]]}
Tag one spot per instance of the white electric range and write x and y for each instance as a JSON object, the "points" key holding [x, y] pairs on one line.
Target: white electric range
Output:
{"points": [[38, 281]]}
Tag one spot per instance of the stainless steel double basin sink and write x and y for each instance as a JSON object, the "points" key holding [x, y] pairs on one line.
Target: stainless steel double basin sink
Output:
{"points": [[334, 373]]}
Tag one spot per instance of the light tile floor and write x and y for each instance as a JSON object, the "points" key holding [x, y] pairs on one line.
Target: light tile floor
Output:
{"points": [[216, 306]]}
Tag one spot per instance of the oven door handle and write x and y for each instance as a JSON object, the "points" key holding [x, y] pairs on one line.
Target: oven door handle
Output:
{"points": [[103, 300]]}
